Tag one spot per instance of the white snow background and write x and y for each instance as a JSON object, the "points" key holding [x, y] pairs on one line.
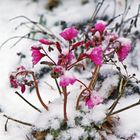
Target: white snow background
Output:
{"points": [[70, 11]]}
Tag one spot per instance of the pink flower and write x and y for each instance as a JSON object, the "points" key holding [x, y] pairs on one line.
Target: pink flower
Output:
{"points": [[36, 54], [100, 26], [66, 80], [45, 41], [18, 78], [93, 100], [69, 33], [23, 88], [123, 51], [96, 55], [13, 81]]}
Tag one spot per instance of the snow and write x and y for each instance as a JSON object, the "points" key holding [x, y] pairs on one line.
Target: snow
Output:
{"points": [[15, 107]]}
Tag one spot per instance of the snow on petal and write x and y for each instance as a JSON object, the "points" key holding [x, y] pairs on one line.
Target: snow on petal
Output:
{"points": [[66, 80], [96, 55], [100, 26], [69, 33], [124, 49]]}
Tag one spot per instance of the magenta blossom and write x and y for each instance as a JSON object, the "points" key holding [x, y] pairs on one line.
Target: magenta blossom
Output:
{"points": [[45, 41], [100, 26], [36, 54], [123, 51], [93, 100], [69, 33], [15, 82], [66, 80], [96, 55]]}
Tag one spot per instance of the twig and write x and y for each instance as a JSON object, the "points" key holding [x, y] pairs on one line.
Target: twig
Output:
{"points": [[23, 37], [122, 86], [48, 56], [58, 87], [27, 102], [18, 121], [94, 78], [6, 125], [126, 108]]}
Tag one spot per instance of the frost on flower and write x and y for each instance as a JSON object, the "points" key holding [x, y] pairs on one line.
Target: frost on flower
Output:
{"points": [[15, 82], [36, 55], [69, 33], [93, 100], [66, 80], [124, 48], [100, 26], [96, 55]]}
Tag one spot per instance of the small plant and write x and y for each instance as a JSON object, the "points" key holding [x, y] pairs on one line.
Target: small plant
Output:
{"points": [[87, 50], [99, 47]]}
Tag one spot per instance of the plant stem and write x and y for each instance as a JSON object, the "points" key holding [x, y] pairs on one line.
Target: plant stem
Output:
{"points": [[90, 86], [126, 108], [18, 121], [27, 102], [37, 91], [65, 103], [122, 86], [36, 86], [79, 97], [48, 56], [94, 78]]}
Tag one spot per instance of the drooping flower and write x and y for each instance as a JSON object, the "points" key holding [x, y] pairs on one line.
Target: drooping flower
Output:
{"points": [[124, 49], [96, 55], [94, 100], [45, 41], [100, 26], [15, 82], [36, 54], [69, 33], [66, 80]]}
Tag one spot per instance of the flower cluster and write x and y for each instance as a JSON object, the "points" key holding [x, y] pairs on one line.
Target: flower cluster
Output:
{"points": [[97, 46]]}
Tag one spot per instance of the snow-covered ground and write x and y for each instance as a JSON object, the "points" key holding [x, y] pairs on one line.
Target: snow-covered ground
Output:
{"points": [[10, 104]]}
